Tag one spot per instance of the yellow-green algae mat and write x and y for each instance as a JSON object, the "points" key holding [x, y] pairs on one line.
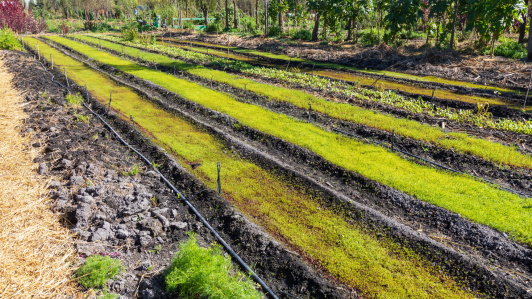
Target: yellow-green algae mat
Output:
{"points": [[382, 83], [339, 66], [477, 201], [461, 142], [379, 268]]}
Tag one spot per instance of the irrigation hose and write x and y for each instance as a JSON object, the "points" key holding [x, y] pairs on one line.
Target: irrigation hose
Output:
{"points": [[180, 196]]}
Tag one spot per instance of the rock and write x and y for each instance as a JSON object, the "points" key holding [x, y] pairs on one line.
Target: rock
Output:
{"points": [[53, 129], [100, 234], [148, 294], [145, 241], [84, 235], [160, 240], [93, 170], [178, 225], [86, 199], [173, 213], [110, 173], [66, 163], [163, 220], [153, 225], [122, 234], [43, 168], [163, 211], [76, 180], [106, 225], [83, 212], [152, 174], [133, 208]]}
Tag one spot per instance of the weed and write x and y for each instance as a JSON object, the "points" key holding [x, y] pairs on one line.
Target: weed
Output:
{"points": [[8, 40], [106, 295], [157, 249], [83, 118], [198, 272], [133, 171], [97, 270], [74, 100], [154, 201]]}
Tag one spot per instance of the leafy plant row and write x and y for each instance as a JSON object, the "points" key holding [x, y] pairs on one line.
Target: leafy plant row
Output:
{"points": [[343, 249], [482, 120], [477, 201], [461, 142]]}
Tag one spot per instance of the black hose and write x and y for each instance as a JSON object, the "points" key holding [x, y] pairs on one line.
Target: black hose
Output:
{"points": [[436, 164]]}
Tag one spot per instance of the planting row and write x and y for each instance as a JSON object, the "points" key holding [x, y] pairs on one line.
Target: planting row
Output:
{"points": [[461, 142], [331, 65], [412, 88], [474, 200], [342, 249]]}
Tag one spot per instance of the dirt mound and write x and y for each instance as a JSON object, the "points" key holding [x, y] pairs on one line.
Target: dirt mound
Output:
{"points": [[434, 56]]}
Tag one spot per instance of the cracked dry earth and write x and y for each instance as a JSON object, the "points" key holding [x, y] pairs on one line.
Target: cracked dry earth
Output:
{"points": [[132, 216]]}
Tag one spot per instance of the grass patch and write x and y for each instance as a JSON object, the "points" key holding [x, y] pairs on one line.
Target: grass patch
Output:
{"points": [[461, 142], [97, 270], [197, 272], [377, 267], [83, 118], [74, 99], [132, 172]]}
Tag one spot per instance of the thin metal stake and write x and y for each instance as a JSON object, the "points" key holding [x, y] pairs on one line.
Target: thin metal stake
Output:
{"points": [[100, 43], [174, 70], [134, 127], [309, 111], [110, 99], [527, 89], [288, 64], [433, 95], [66, 77], [313, 69], [219, 167], [211, 82], [246, 90], [38, 52], [393, 139], [52, 60], [87, 93], [375, 81]]}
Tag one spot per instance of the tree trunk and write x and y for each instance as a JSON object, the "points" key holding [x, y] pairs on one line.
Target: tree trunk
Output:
{"points": [[206, 15], [356, 32], [257, 14], [349, 30], [316, 27], [186, 9], [280, 19], [235, 12], [180, 16], [529, 47], [226, 14], [451, 43], [266, 17], [522, 28]]}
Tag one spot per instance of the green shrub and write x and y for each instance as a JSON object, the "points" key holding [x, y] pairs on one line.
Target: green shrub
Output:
{"points": [[274, 31], [130, 34], [74, 100], [8, 40], [197, 272], [371, 37], [509, 49], [303, 34], [188, 25], [324, 43], [214, 27], [97, 270]]}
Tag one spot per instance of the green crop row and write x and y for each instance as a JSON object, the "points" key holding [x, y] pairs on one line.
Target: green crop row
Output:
{"points": [[460, 142], [378, 268], [480, 202], [336, 66], [477, 118]]}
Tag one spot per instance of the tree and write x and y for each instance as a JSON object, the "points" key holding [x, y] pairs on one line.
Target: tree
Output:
{"points": [[235, 14], [320, 7], [522, 28], [491, 17], [402, 14], [354, 10], [205, 6]]}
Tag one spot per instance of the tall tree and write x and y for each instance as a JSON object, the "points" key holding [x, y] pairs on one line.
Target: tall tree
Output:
{"points": [[235, 14], [402, 14], [205, 6], [226, 14], [522, 28]]}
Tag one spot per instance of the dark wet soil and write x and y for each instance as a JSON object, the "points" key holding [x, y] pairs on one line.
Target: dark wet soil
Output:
{"points": [[136, 218], [464, 249]]}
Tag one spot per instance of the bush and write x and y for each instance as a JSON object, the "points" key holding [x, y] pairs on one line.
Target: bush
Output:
{"points": [[12, 15], [130, 34], [214, 27], [274, 31], [8, 41], [324, 43], [509, 49], [188, 25], [303, 34], [97, 270], [197, 272], [371, 37]]}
